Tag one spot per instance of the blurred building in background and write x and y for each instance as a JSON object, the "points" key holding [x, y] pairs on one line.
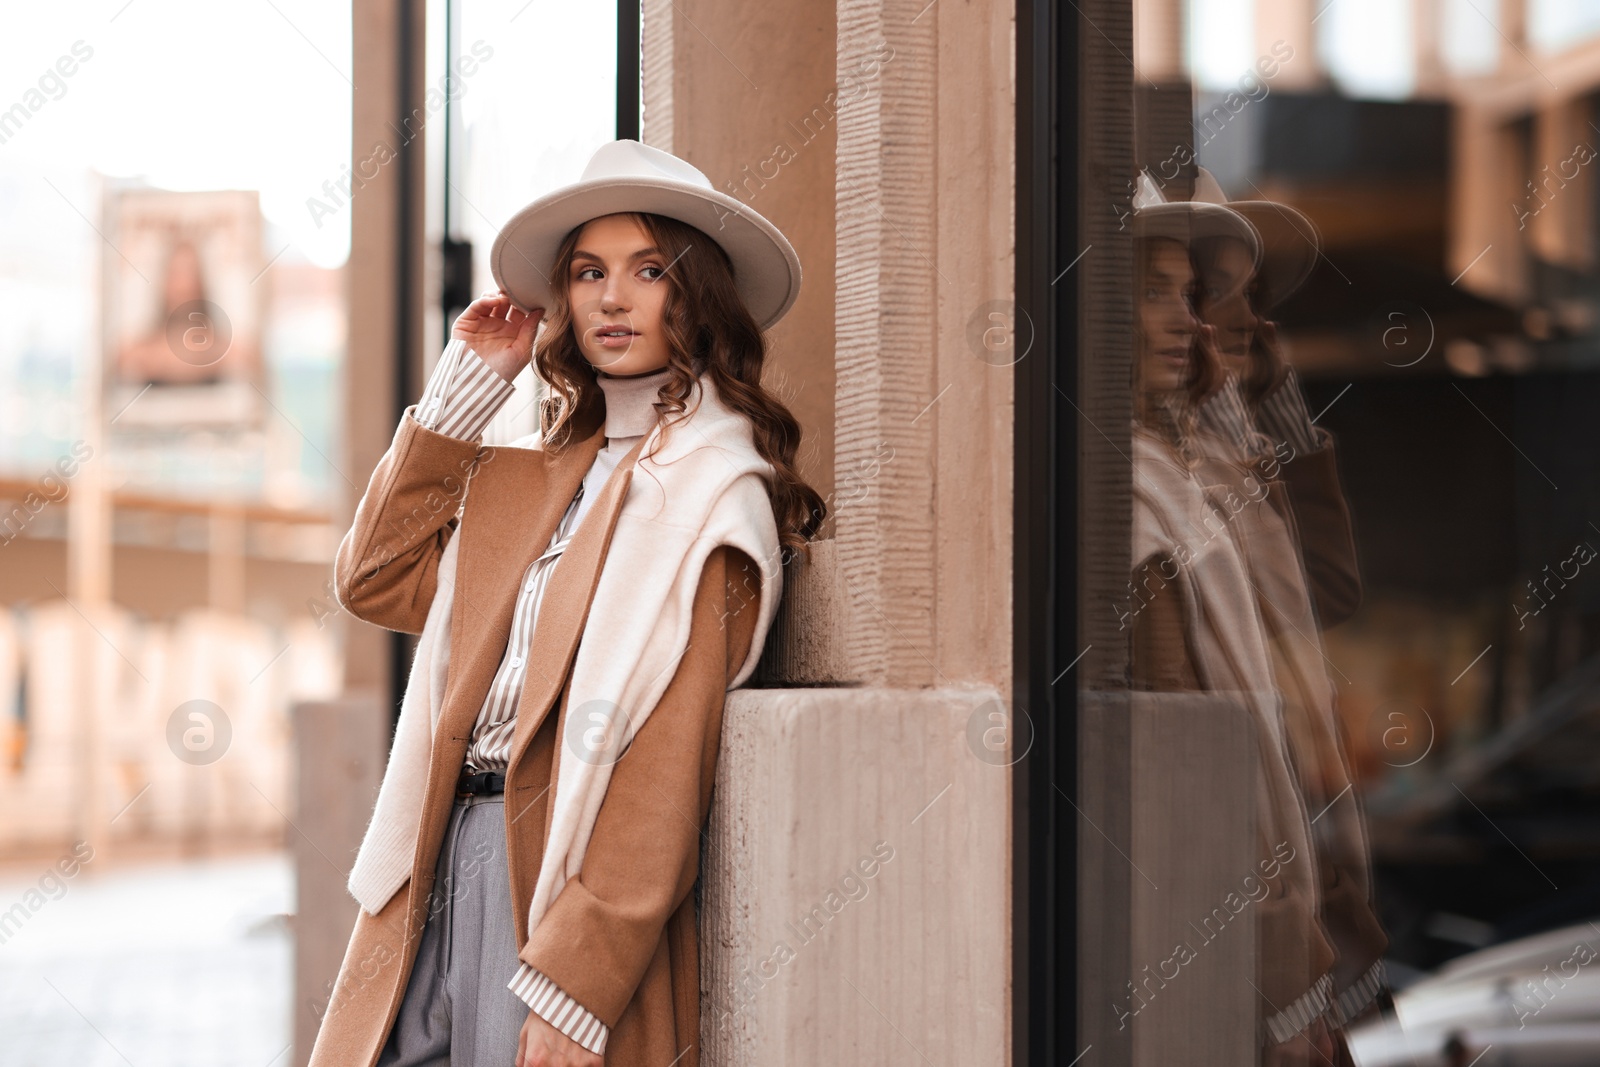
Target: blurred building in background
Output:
{"points": [[203, 577]]}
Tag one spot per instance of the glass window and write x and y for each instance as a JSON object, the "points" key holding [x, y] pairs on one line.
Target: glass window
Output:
{"points": [[1339, 768], [523, 128]]}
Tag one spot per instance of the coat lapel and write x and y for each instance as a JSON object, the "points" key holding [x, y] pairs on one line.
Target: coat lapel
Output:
{"points": [[514, 503], [565, 607]]}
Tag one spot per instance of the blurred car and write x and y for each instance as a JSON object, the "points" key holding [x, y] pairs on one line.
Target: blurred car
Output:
{"points": [[1534, 1002]]}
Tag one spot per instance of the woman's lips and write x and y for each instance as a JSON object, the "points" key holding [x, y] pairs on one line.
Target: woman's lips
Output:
{"points": [[614, 336]]}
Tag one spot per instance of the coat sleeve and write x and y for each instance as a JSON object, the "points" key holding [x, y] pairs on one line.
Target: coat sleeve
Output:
{"points": [[386, 569], [604, 926], [1327, 537], [1159, 655]]}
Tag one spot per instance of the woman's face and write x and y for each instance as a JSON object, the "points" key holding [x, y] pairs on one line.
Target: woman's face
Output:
{"points": [[1167, 324], [1225, 301], [617, 294]]}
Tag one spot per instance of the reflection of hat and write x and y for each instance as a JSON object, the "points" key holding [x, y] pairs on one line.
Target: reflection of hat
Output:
{"points": [[1187, 221], [1290, 242], [629, 176]]}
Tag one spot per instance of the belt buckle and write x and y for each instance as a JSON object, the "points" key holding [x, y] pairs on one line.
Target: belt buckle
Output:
{"points": [[477, 784]]}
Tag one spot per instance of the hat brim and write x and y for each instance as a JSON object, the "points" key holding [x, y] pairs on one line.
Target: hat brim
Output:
{"points": [[766, 270], [1188, 221], [1290, 245]]}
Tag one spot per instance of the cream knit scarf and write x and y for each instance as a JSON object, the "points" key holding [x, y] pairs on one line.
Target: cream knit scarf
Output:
{"points": [[705, 486]]}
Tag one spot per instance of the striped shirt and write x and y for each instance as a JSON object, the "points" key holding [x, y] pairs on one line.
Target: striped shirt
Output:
{"points": [[461, 399], [490, 749]]}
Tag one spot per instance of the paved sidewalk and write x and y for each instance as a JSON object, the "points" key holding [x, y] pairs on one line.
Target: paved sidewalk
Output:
{"points": [[165, 965]]}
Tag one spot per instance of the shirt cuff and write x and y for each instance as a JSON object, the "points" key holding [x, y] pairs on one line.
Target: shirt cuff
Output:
{"points": [[1353, 1002], [1283, 416], [559, 1010], [1294, 1019], [463, 394]]}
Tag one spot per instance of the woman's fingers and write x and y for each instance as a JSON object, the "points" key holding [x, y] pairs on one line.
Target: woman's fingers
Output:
{"points": [[494, 316]]}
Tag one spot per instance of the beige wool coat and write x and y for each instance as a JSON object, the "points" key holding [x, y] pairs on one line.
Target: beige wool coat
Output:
{"points": [[621, 938]]}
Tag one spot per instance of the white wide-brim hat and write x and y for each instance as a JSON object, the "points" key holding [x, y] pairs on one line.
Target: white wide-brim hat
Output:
{"points": [[629, 176], [1290, 243], [1187, 221]]}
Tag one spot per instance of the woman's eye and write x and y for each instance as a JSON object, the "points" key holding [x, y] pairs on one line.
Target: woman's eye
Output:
{"points": [[589, 274], [651, 273]]}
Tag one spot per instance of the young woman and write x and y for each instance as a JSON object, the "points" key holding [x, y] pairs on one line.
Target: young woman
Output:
{"points": [[1302, 564], [1236, 294], [1193, 609], [586, 597]]}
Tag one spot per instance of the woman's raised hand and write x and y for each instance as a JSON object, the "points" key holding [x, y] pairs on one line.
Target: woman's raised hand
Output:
{"points": [[498, 332], [1213, 369]]}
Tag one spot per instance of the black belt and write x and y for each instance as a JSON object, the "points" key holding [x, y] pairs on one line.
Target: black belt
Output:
{"points": [[482, 783]]}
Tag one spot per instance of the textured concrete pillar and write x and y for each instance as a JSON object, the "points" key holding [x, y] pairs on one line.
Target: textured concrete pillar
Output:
{"points": [[1167, 833], [879, 136], [340, 749], [745, 92], [927, 334], [855, 907], [381, 209]]}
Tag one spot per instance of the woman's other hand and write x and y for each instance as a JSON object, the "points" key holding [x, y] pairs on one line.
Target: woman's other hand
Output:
{"points": [[1271, 365], [1210, 371], [499, 333], [542, 1045]]}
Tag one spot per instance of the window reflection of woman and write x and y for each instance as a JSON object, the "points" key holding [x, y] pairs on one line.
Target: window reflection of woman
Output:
{"points": [[1301, 560], [1226, 300], [1193, 607], [1261, 409], [1175, 362]]}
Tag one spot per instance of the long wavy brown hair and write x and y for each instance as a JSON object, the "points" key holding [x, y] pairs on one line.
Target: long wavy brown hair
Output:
{"points": [[706, 323]]}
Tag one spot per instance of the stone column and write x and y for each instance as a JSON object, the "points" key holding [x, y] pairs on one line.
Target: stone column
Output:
{"points": [[745, 93], [926, 335], [879, 136]]}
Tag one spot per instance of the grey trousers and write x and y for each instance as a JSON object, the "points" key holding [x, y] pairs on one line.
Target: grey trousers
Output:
{"points": [[457, 1009]]}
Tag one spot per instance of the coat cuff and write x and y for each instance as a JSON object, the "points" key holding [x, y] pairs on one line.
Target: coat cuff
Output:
{"points": [[559, 1010], [463, 394]]}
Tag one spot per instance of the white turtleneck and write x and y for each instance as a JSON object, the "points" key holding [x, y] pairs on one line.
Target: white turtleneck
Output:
{"points": [[630, 413]]}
